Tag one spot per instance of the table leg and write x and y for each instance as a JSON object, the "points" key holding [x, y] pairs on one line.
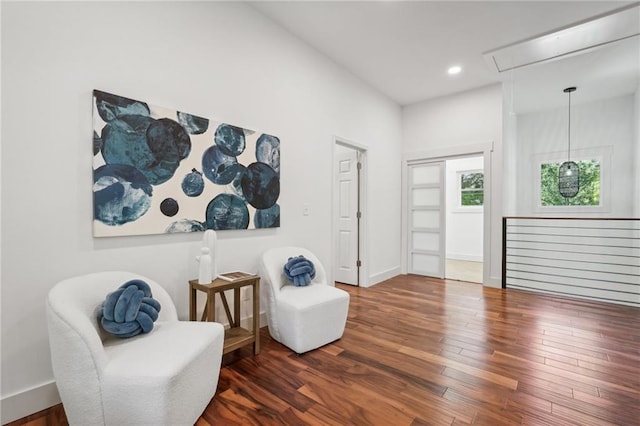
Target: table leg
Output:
{"points": [[256, 316], [192, 304], [225, 304], [236, 307], [205, 311], [211, 306]]}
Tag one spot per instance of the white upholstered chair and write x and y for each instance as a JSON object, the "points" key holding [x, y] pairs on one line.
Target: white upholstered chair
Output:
{"points": [[164, 377], [301, 318]]}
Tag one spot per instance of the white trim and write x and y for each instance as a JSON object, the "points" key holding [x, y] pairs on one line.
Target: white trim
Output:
{"points": [[485, 149], [247, 322], [449, 153], [466, 209], [29, 401], [404, 224], [493, 282], [364, 206], [465, 257], [349, 144], [383, 276], [574, 39]]}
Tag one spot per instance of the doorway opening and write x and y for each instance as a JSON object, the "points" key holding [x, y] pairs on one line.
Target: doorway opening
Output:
{"points": [[464, 200], [348, 233]]}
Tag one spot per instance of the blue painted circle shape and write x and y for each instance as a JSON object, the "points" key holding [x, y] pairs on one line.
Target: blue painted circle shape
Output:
{"points": [[267, 218], [227, 211], [193, 124], [185, 225], [260, 185], [230, 139], [268, 151], [121, 194], [193, 184], [219, 167]]}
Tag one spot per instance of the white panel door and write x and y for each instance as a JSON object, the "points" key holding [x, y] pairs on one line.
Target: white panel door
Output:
{"points": [[346, 270], [426, 227]]}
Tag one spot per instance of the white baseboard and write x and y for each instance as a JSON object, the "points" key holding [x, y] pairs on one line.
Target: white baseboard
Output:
{"points": [[384, 275], [494, 282], [30, 401], [247, 322], [467, 257]]}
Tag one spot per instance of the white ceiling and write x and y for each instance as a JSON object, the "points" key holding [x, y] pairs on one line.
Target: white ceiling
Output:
{"points": [[403, 48]]}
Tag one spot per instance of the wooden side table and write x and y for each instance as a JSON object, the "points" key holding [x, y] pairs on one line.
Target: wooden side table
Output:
{"points": [[236, 336]]}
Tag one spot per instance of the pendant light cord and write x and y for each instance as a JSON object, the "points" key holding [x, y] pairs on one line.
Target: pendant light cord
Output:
{"points": [[569, 90], [569, 152]]}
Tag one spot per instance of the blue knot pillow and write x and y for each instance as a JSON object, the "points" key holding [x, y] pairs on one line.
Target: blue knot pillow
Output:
{"points": [[299, 270], [130, 310]]}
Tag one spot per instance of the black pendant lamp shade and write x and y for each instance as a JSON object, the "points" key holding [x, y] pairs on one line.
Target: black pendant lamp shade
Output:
{"points": [[569, 173]]}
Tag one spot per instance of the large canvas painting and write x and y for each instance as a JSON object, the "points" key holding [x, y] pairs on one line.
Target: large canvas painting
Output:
{"points": [[157, 170]]}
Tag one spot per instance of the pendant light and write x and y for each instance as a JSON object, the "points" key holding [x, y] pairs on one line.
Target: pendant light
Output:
{"points": [[569, 173]]}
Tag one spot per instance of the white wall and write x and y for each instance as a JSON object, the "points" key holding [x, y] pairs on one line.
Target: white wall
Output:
{"points": [[218, 60], [459, 120], [463, 225], [1, 338], [636, 167], [509, 157], [603, 123]]}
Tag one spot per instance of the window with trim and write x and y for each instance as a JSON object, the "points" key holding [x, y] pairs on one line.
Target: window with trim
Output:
{"points": [[594, 194], [471, 188]]}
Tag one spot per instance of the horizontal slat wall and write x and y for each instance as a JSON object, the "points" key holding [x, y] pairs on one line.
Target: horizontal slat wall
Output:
{"points": [[596, 259]]}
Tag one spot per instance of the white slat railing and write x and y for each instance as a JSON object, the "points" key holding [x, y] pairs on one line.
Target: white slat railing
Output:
{"points": [[596, 259]]}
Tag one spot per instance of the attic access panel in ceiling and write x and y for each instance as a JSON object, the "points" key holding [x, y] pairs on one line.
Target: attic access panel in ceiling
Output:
{"points": [[615, 26]]}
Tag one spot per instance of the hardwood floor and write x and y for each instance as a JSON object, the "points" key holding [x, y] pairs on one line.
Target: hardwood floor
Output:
{"points": [[419, 351]]}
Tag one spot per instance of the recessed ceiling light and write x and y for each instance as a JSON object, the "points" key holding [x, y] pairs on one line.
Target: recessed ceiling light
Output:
{"points": [[454, 70]]}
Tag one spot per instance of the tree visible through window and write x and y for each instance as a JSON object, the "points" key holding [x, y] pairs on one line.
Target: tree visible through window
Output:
{"points": [[589, 193], [471, 189]]}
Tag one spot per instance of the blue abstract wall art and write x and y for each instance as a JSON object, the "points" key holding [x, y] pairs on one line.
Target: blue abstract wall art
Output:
{"points": [[157, 170]]}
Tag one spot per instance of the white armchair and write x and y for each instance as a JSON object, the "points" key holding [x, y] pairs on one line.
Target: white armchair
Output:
{"points": [[165, 377], [301, 318]]}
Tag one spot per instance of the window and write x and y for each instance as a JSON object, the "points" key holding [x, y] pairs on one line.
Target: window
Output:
{"points": [[588, 194], [594, 194], [471, 188]]}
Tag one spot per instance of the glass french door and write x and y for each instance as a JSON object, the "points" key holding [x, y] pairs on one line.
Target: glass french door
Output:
{"points": [[426, 227]]}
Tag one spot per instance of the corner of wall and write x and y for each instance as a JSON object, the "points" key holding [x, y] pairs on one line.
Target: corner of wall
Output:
{"points": [[382, 276]]}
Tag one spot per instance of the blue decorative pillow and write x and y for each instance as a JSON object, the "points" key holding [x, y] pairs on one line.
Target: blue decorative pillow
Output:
{"points": [[130, 310], [299, 270]]}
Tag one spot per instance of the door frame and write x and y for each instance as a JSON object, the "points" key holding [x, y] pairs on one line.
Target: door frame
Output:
{"points": [[450, 153], [364, 208]]}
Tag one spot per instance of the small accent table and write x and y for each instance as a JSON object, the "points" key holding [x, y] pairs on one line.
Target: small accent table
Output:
{"points": [[236, 336]]}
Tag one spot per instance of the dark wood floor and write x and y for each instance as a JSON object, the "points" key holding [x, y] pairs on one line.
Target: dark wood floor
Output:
{"points": [[418, 351]]}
